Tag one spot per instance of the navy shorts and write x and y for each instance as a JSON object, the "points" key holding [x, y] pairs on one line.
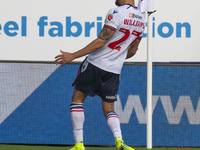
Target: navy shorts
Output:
{"points": [[92, 81]]}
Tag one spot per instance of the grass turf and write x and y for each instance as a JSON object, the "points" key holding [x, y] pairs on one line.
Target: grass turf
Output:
{"points": [[27, 147]]}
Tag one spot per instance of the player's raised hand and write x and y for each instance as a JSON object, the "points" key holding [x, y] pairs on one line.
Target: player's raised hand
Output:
{"points": [[64, 58]]}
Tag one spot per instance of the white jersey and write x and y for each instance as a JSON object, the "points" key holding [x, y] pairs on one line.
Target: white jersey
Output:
{"points": [[128, 23]]}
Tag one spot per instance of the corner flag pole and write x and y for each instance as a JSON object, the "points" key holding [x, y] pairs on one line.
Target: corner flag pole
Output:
{"points": [[148, 6], [149, 77], [149, 81]]}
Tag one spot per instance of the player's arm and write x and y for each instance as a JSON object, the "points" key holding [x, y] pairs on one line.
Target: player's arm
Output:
{"points": [[104, 36], [133, 49]]}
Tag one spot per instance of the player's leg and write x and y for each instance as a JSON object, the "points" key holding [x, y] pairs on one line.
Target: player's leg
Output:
{"points": [[112, 118], [78, 96], [77, 118], [82, 88], [114, 125]]}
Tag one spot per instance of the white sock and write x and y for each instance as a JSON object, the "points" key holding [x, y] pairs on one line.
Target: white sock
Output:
{"points": [[114, 124], [77, 119]]}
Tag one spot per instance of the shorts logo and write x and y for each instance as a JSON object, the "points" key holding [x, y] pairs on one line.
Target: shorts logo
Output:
{"points": [[110, 97], [110, 17], [84, 66]]}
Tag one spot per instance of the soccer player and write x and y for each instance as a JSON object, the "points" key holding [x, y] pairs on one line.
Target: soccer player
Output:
{"points": [[100, 71]]}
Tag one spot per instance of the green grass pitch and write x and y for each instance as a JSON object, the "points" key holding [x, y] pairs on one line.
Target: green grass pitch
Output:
{"points": [[26, 147]]}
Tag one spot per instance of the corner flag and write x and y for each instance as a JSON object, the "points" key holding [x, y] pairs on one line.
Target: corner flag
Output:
{"points": [[147, 6]]}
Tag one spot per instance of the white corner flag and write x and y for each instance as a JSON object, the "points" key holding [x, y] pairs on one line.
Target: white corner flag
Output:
{"points": [[147, 6]]}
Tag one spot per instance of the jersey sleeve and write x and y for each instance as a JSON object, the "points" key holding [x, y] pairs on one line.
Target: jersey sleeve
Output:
{"points": [[113, 19], [141, 35]]}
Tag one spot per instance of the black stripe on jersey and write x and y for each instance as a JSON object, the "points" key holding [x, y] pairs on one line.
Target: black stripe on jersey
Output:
{"points": [[129, 7]]}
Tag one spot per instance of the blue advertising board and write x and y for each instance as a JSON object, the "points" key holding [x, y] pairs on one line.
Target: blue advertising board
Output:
{"points": [[44, 116]]}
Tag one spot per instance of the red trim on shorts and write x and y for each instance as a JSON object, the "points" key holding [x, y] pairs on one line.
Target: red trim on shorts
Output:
{"points": [[79, 71], [110, 27]]}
